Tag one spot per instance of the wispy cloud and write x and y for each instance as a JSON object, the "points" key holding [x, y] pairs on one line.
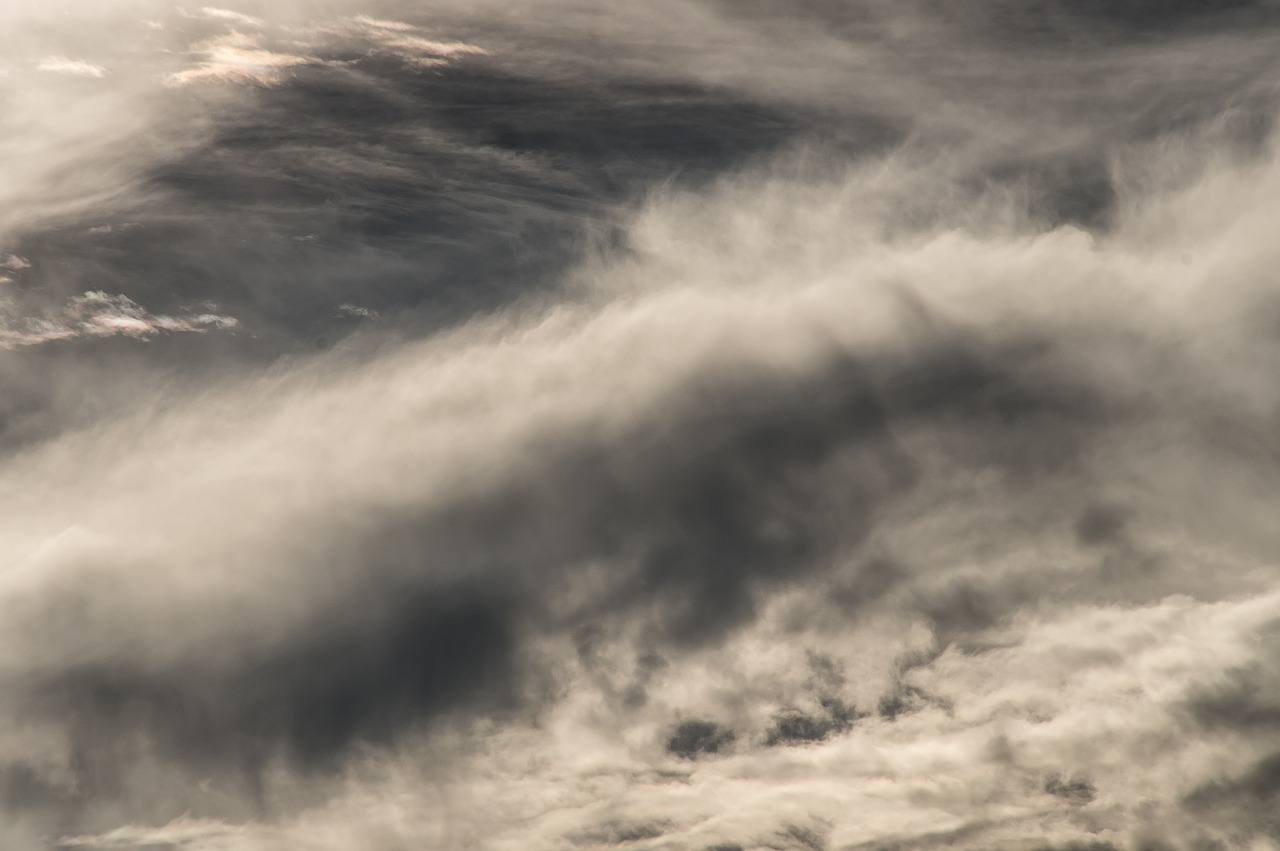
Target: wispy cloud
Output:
{"points": [[381, 24], [215, 13], [411, 44], [99, 314], [70, 67], [427, 52], [240, 58], [183, 833]]}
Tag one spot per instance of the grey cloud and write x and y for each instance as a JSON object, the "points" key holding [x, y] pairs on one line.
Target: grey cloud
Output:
{"points": [[699, 510], [1101, 524], [1249, 699], [1246, 801], [692, 738]]}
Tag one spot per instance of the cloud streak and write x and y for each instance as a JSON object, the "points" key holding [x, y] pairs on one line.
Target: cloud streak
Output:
{"points": [[99, 314]]}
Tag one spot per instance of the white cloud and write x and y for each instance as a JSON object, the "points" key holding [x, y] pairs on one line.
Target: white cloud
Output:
{"points": [[71, 67], [238, 58], [411, 45], [184, 833], [229, 15], [380, 24], [421, 51], [99, 314]]}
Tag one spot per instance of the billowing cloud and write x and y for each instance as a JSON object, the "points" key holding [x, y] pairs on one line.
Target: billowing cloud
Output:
{"points": [[839, 426]]}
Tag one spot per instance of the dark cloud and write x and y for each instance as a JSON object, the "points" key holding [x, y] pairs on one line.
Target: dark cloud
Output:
{"points": [[24, 787], [903, 700], [449, 192], [1150, 13], [1248, 701], [1261, 782], [1076, 190], [795, 727], [1245, 697], [619, 833], [1074, 790], [795, 836], [1077, 23], [1245, 802], [1101, 524], [931, 839], [692, 738], [355, 679]]}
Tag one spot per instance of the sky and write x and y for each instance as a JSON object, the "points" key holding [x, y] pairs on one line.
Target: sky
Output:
{"points": [[722, 425]]}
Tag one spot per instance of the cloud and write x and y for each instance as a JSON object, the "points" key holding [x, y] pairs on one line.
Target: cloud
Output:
{"points": [[380, 24], [178, 834], [239, 58], [228, 15], [408, 38], [411, 45], [99, 314], [737, 373], [694, 501], [71, 67]]}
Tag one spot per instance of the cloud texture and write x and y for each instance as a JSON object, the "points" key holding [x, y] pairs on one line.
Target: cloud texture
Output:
{"points": [[687, 425]]}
